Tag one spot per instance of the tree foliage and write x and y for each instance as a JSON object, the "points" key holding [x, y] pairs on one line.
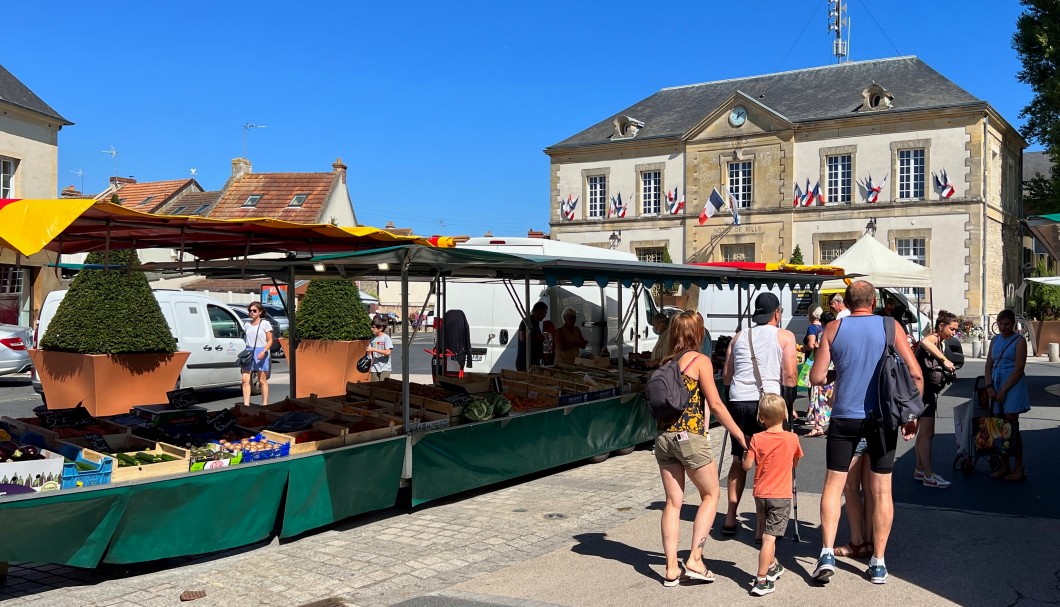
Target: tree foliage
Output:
{"points": [[332, 310], [796, 256], [1037, 41], [1044, 301], [110, 312]]}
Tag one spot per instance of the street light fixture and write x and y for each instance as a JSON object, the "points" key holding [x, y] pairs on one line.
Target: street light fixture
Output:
{"points": [[615, 239], [870, 227]]}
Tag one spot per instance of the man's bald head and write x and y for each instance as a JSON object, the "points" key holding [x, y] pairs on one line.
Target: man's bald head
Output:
{"points": [[861, 295]]}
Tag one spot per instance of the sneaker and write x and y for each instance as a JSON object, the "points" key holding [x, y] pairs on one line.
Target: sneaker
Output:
{"points": [[763, 587], [936, 481], [878, 574], [775, 571], [825, 568], [918, 475]]}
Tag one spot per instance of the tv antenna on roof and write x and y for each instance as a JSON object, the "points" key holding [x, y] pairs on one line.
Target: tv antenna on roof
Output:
{"points": [[113, 153], [80, 174], [247, 127], [194, 172]]}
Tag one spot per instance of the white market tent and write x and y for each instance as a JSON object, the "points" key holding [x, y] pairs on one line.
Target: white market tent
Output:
{"points": [[880, 266], [1053, 281]]}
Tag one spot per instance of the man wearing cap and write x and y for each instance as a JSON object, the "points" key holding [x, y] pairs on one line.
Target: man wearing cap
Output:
{"points": [[775, 352]]}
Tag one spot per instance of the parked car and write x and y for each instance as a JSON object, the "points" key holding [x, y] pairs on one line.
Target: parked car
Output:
{"points": [[15, 342], [276, 351]]}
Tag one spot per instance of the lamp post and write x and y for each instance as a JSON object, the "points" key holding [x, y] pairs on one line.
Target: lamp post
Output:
{"points": [[870, 227], [615, 239]]}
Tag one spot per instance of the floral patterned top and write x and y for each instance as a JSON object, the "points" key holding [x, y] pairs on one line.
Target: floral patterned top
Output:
{"points": [[693, 418]]}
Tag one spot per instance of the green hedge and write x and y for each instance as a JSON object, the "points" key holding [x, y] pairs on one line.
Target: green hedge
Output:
{"points": [[332, 310], [110, 312]]}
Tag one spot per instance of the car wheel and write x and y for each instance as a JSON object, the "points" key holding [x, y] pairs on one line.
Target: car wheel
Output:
{"points": [[625, 451], [255, 388], [596, 459]]}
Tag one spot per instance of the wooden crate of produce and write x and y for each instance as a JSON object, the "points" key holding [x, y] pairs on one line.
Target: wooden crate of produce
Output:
{"points": [[127, 467], [320, 438], [320, 402], [365, 428], [542, 394], [102, 427], [472, 383]]}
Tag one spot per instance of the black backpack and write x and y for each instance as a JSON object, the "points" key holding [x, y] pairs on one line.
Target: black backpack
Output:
{"points": [[900, 400], [666, 391]]}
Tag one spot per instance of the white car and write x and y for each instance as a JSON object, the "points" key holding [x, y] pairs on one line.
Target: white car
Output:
{"points": [[15, 342]]}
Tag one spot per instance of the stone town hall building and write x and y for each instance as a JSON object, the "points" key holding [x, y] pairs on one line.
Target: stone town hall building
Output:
{"points": [[874, 135]]}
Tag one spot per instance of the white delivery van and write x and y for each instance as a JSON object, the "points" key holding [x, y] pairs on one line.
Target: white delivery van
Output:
{"points": [[494, 318], [204, 326], [721, 308]]}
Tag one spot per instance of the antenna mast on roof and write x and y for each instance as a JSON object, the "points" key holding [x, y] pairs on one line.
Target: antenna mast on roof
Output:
{"points": [[247, 127], [113, 153], [837, 19], [80, 174]]}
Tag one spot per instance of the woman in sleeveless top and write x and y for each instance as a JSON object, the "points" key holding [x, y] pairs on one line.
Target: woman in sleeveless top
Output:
{"points": [[819, 410], [683, 448], [1006, 384]]}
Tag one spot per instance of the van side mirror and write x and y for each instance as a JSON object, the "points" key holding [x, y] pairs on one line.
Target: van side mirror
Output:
{"points": [[504, 337]]}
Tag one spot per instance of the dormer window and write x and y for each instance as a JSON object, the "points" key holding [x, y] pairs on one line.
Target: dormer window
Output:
{"points": [[147, 200], [626, 127], [875, 98], [298, 200], [252, 200]]}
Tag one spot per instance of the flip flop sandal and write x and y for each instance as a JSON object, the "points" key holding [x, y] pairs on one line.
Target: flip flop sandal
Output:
{"points": [[671, 583], [692, 574], [729, 530]]}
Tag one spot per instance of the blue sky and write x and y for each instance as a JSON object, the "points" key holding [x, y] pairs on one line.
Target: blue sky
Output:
{"points": [[440, 110]]}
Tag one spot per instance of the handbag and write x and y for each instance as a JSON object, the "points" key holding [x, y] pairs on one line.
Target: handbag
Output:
{"points": [[364, 363], [993, 433], [246, 357], [804, 374]]}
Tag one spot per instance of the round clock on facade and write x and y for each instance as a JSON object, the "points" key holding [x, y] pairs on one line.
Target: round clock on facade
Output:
{"points": [[738, 116]]}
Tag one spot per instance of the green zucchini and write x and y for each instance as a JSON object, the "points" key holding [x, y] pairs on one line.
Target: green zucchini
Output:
{"points": [[145, 458], [126, 459], [167, 457]]}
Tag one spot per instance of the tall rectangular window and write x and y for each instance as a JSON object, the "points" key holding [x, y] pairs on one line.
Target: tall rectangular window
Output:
{"points": [[7, 177], [650, 192], [839, 179], [911, 174], [738, 252], [740, 182], [597, 195], [915, 250], [828, 250]]}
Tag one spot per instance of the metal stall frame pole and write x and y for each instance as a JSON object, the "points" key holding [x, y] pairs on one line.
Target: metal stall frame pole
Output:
{"points": [[526, 329], [619, 338], [292, 367], [406, 347]]}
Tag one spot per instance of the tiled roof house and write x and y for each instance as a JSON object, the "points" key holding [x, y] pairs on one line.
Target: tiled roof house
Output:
{"points": [[149, 196], [299, 197]]}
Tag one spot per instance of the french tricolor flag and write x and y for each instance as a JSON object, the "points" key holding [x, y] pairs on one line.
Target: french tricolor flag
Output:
{"points": [[568, 207], [800, 197], [942, 184], [617, 209], [872, 191], [675, 204], [714, 204], [815, 195]]}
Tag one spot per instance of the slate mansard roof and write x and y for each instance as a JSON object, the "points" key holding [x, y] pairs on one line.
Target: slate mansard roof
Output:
{"points": [[800, 96], [14, 92]]}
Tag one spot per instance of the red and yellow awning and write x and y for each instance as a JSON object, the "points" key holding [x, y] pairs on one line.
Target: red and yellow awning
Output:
{"points": [[780, 266], [75, 225]]}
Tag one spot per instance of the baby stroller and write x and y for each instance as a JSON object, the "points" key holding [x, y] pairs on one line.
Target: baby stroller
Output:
{"points": [[967, 418]]}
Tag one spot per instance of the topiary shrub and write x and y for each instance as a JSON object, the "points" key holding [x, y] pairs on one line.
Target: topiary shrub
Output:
{"points": [[110, 312], [796, 256], [332, 310]]}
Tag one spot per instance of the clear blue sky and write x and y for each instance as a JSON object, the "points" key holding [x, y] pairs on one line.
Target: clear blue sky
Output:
{"points": [[440, 110]]}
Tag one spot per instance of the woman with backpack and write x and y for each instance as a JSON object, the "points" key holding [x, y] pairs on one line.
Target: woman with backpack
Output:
{"points": [[683, 448], [938, 372]]}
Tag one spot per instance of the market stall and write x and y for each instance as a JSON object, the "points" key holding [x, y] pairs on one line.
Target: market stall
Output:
{"points": [[344, 469]]}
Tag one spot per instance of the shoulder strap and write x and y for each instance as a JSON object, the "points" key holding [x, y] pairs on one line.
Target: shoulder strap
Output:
{"points": [[754, 362], [888, 324], [1001, 354], [694, 359]]}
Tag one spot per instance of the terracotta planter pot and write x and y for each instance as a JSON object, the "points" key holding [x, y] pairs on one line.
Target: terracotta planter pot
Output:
{"points": [[107, 385], [323, 367], [1044, 332]]}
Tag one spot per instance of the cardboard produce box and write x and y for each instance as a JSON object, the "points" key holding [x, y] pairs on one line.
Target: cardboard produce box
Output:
{"points": [[39, 475]]}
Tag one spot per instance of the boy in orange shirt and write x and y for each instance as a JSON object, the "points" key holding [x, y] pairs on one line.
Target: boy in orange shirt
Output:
{"points": [[776, 453]]}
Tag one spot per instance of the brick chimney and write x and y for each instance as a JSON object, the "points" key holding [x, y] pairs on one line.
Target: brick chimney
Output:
{"points": [[535, 234], [240, 167], [70, 192], [339, 169], [120, 181], [488, 234], [389, 226]]}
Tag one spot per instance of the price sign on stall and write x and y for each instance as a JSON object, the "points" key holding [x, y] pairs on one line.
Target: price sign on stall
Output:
{"points": [[182, 398], [223, 421], [295, 421], [63, 418], [97, 443], [459, 399]]}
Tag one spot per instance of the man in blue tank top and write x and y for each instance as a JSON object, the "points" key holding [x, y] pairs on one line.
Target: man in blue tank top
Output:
{"points": [[855, 345]]}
